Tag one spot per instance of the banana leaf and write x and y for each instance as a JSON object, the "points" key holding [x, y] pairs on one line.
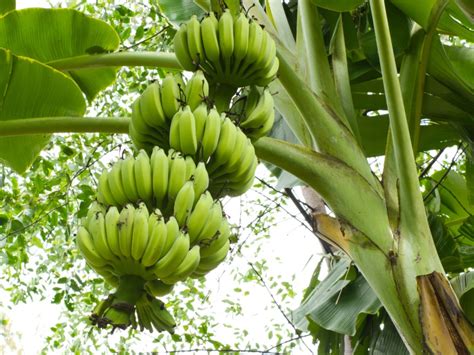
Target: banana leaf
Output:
{"points": [[7, 5], [68, 33], [179, 11], [463, 285], [32, 89]]}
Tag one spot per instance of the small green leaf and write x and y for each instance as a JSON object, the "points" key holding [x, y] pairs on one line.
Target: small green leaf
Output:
{"points": [[179, 11], [463, 285]]}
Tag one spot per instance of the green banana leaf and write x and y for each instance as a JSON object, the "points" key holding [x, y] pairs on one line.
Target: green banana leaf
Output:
{"points": [[420, 11], [32, 89], [338, 5], [455, 22], [179, 11], [463, 285], [52, 34], [338, 303], [7, 5]]}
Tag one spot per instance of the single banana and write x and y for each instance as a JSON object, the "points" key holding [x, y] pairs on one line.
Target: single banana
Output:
{"points": [[162, 316], [199, 216], [225, 147], [257, 117], [140, 232], [267, 76], [116, 184], [112, 230], [187, 132], [169, 96], [160, 174], [226, 38], [104, 194], [212, 223], [195, 47], [212, 261], [210, 138], [200, 118], [172, 232], [138, 121], [181, 49], [158, 288], [175, 141], [197, 90], [177, 176], [157, 240], [128, 179], [173, 258], [210, 42], [143, 176], [184, 202], [264, 129], [125, 225], [186, 268], [200, 180], [190, 167], [138, 139], [96, 228], [94, 208], [236, 156], [254, 50], [150, 106], [86, 245], [241, 38], [211, 246]]}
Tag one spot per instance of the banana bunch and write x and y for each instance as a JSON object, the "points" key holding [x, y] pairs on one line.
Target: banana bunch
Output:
{"points": [[155, 180], [214, 139], [153, 110], [253, 112], [230, 50]]}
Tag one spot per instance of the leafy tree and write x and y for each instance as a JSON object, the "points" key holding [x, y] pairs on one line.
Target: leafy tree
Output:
{"points": [[342, 101]]}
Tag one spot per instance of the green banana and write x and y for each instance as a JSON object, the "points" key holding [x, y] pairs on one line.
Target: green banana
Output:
{"points": [[173, 258], [198, 217], [126, 229], [210, 40], [177, 176], [150, 106], [184, 202], [96, 228], [180, 43], [160, 174], [140, 232], [187, 132], [200, 118], [197, 90], [143, 176], [200, 180], [104, 195], [226, 38], [157, 240], [170, 96], [241, 38], [112, 230], [211, 246], [212, 261], [190, 167], [175, 141], [128, 179], [86, 245], [210, 138], [195, 48], [116, 185], [158, 288], [172, 233], [225, 147], [212, 224], [186, 268]]}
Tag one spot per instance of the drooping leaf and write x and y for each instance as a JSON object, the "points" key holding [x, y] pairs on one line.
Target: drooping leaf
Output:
{"points": [[179, 11], [454, 21], [7, 5], [420, 11], [463, 285], [339, 5], [30, 89], [378, 335], [68, 33]]}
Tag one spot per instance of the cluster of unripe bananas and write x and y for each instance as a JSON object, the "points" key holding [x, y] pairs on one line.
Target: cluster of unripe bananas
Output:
{"points": [[232, 50], [158, 219]]}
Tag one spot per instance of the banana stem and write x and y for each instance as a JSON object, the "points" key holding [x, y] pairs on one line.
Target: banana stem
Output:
{"points": [[118, 59], [42, 125], [222, 94]]}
